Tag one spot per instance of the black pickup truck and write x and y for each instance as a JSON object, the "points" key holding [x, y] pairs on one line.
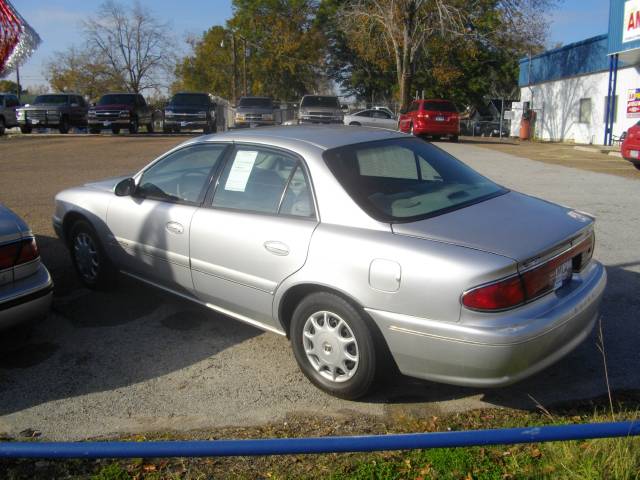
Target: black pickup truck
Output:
{"points": [[190, 111], [61, 110], [116, 111], [8, 105]]}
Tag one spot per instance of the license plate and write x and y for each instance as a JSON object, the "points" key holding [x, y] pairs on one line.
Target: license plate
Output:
{"points": [[106, 124], [35, 122], [183, 124], [634, 153], [439, 119], [563, 273]]}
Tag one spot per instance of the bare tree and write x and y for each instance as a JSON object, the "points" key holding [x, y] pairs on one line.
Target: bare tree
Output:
{"points": [[403, 27], [137, 48]]}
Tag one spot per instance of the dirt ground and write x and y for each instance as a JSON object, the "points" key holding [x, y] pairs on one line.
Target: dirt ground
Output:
{"points": [[559, 154]]}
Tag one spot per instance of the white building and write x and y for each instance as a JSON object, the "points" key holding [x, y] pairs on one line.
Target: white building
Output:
{"points": [[568, 88]]}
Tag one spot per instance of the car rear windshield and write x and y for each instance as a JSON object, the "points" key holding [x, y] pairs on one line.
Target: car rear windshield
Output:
{"points": [[190, 99], [256, 102], [407, 179], [117, 99], [55, 99], [440, 107], [313, 101]]}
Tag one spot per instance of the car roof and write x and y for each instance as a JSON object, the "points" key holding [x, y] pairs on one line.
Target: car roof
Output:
{"points": [[323, 137]]}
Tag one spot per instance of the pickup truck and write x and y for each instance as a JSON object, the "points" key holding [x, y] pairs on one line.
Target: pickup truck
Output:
{"points": [[53, 110], [8, 104], [320, 109], [116, 111], [187, 110], [254, 111]]}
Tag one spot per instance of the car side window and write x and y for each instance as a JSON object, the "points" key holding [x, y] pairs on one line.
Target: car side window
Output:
{"points": [[381, 114], [297, 199], [12, 101], [181, 176], [254, 179], [366, 113]]}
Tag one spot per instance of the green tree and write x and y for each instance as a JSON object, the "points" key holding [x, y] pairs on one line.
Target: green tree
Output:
{"points": [[8, 86]]}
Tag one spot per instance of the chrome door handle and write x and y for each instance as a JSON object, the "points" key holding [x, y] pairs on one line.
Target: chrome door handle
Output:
{"points": [[175, 227], [277, 248]]}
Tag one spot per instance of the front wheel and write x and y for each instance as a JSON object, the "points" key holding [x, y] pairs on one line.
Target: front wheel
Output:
{"points": [[26, 130], [89, 260], [150, 127], [133, 126], [64, 125], [115, 130], [454, 138], [94, 131], [334, 346]]}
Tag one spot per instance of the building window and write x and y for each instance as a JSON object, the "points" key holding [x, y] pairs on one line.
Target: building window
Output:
{"points": [[615, 109], [585, 111]]}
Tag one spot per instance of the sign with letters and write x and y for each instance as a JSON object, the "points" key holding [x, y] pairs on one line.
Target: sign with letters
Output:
{"points": [[633, 103], [631, 26]]}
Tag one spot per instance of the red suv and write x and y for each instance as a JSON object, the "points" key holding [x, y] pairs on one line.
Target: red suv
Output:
{"points": [[435, 118]]}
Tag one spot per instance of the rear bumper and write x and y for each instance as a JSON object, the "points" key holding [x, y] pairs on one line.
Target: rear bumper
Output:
{"points": [[26, 300], [435, 129], [501, 350]]}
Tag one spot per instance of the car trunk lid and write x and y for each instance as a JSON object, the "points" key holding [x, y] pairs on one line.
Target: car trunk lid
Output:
{"points": [[513, 225]]}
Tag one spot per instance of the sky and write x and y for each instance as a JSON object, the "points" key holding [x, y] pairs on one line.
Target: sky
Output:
{"points": [[58, 23]]}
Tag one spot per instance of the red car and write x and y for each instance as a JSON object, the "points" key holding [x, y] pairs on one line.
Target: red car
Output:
{"points": [[434, 118], [631, 146]]}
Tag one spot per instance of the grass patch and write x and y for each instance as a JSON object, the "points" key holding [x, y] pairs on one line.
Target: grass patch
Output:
{"points": [[590, 459]]}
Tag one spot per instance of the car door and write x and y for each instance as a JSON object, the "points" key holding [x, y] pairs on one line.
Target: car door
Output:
{"points": [[382, 119], [252, 233], [78, 110], [404, 124], [364, 118], [151, 227], [11, 103]]}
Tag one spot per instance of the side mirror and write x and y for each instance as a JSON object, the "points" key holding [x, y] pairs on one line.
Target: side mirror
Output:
{"points": [[125, 188]]}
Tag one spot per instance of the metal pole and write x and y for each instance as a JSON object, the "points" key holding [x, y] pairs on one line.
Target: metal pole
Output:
{"points": [[501, 116], [244, 66], [18, 81], [235, 69], [612, 98], [608, 107]]}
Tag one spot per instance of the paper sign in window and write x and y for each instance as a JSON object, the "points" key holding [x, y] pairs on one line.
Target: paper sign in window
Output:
{"points": [[240, 171]]}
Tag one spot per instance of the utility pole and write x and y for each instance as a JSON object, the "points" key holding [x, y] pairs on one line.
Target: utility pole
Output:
{"points": [[18, 81], [244, 66], [235, 69]]}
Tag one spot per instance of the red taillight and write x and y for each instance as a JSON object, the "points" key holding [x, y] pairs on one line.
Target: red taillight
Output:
{"points": [[18, 253], [532, 283], [28, 252], [496, 296]]}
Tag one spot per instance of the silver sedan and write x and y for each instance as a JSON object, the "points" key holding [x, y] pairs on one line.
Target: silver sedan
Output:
{"points": [[367, 248], [371, 118], [25, 284]]}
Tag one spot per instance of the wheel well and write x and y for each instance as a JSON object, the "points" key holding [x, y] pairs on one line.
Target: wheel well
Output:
{"points": [[294, 296], [69, 220], [355, 123]]}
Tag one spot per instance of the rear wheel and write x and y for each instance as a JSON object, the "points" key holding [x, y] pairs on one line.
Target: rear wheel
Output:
{"points": [[93, 267], [133, 125], [637, 165], [26, 129], [436, 138], [94, 130], [115, 130], [355, 124], [333, 345], [2, 126], [150, 127], [454, 138]]}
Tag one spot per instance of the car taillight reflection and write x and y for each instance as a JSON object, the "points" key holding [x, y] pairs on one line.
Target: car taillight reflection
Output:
{"points": [[18, 253], [532, 283]]}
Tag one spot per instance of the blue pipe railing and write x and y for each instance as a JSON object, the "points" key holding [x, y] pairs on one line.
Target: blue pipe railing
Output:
{"points": [[286, 446]]}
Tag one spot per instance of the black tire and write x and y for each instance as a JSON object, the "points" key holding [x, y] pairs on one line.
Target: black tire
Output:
{"points": [[133, 126], [355, 124], [93, 267], [455, 139], [63, 126], [411, 130], [150, 127], [26, 129], [2, 126], [176, 129], [115, 130], [637, 165], [94, 131], [358, 379], [436, 138]]}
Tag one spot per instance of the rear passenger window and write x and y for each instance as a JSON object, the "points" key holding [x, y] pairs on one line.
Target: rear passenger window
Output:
{"points": [[297, 199], [254, 180]]}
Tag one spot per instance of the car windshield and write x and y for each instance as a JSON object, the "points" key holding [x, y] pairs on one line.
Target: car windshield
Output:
{"points": [[57, 99], [403, 180], [440, 107], [189, 99], [256, 102], [116, 99], [327, 102]]}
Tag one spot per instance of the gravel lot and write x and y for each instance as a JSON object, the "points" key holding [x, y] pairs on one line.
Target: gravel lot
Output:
{"points": [[137, 360]]}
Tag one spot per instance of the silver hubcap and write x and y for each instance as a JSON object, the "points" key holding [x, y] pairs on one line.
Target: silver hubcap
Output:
{"points": [[86, 256], [330, 346]]}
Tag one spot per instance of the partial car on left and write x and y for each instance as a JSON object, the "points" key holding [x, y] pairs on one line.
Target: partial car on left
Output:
{"points": [[26, 287], [8, 104]]}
